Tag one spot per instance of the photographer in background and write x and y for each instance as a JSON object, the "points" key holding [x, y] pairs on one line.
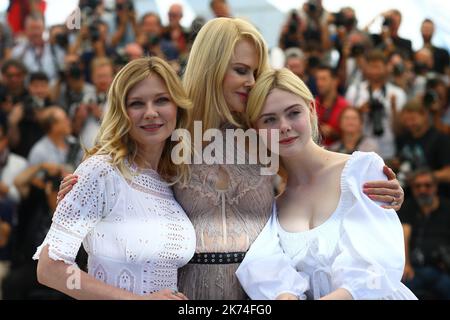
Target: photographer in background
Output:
{"points": [[437, 99], [72, 88], [36, 53], [151, 38], [12, 86], [124, 24], [56, 146], [440, 55], [291, 32], [10, 166], [389, 40], [38, 186], [402, 73], [426, 225], [315, 21], [24, 120], [353, 60], [329, 104], [175, 32], [86, 121], [380, 101], [422, 146]]}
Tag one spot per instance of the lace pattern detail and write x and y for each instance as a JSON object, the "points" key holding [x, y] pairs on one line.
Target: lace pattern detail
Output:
{"points": [[135, 240]]}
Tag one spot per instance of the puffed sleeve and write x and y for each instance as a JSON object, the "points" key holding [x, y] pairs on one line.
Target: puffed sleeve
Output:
{"points": [[81, 209], [371, 252], [266, 271]]}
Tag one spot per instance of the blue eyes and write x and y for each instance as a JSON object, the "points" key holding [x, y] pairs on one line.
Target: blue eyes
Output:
{"points": [[159, 102], [269, 120], [162, 100], [272, 120]]}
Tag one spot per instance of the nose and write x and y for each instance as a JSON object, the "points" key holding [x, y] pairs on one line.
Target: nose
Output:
{"points": [[250, 80], [151, 112], [285, 126]]}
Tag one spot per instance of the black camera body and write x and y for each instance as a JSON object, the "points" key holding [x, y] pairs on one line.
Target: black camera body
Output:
{"points": [[357, 49], [430, 97], [293, 23], [312, 6], [54, 180], [94, 32], [62, 40], [128, 5], [387, 22], [376, 115], [398, 69]]}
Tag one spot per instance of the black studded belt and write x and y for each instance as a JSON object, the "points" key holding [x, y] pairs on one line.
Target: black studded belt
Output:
{"points": [[218, 257]]}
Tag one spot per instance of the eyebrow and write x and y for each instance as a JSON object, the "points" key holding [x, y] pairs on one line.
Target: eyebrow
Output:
{"points": [[241, 64], [285, 110]]}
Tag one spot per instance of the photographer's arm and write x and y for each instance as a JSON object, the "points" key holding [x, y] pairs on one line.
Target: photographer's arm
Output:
{"points": [[439, 125], [408, 273], [23, 180], [443, 175], [82, 35], [14, 117], [121, 28], [5, 231]]}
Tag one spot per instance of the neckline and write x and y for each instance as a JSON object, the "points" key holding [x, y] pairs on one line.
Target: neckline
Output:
{"points": [[145, 171], [334, 214]]}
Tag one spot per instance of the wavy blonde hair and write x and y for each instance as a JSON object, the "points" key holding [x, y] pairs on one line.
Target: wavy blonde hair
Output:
{"points": [[285, 80], [113, 138], [208, 62]]}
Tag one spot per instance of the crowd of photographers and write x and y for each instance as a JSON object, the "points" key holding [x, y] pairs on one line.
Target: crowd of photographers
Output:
{"points": [[373, 93]]}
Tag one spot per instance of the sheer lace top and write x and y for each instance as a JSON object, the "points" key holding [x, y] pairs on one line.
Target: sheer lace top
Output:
{"points": [[228, 204]]}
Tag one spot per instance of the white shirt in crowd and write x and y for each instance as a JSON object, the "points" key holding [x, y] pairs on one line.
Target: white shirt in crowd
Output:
{"points": [[357, 95]]}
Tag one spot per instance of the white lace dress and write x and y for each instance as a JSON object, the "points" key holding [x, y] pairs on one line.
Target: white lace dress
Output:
{"points": [[135, 233], [359, 248]]}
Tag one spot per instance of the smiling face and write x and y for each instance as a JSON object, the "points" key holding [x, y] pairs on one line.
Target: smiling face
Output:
{"points": [[151, 111], [240, 76], [291, 116]]}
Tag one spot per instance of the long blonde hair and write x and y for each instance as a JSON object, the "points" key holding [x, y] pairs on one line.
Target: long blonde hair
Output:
{"points": [[208, 62], [113, 138], [285, 80]]}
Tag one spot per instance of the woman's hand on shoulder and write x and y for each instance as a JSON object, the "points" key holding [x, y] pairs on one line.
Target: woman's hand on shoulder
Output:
{"points": [[389, 192], [65, 186]]}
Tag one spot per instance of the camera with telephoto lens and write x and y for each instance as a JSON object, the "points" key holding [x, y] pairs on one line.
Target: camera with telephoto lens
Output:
{"points": [[293, 23], [127, 5], [376, 114], [54, 180], [441, 258], [429, 98], [398, 69], [312, 6], [62, 40], [94, 32], [387, 22], [357, 49]]}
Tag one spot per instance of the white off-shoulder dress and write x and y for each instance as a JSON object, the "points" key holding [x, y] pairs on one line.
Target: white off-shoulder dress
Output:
{"points": [[135, 233], [360, 248]]}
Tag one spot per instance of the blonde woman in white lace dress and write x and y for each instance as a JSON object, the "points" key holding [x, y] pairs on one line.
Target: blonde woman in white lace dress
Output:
{"points": [[326, 239], [122, 209]]}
